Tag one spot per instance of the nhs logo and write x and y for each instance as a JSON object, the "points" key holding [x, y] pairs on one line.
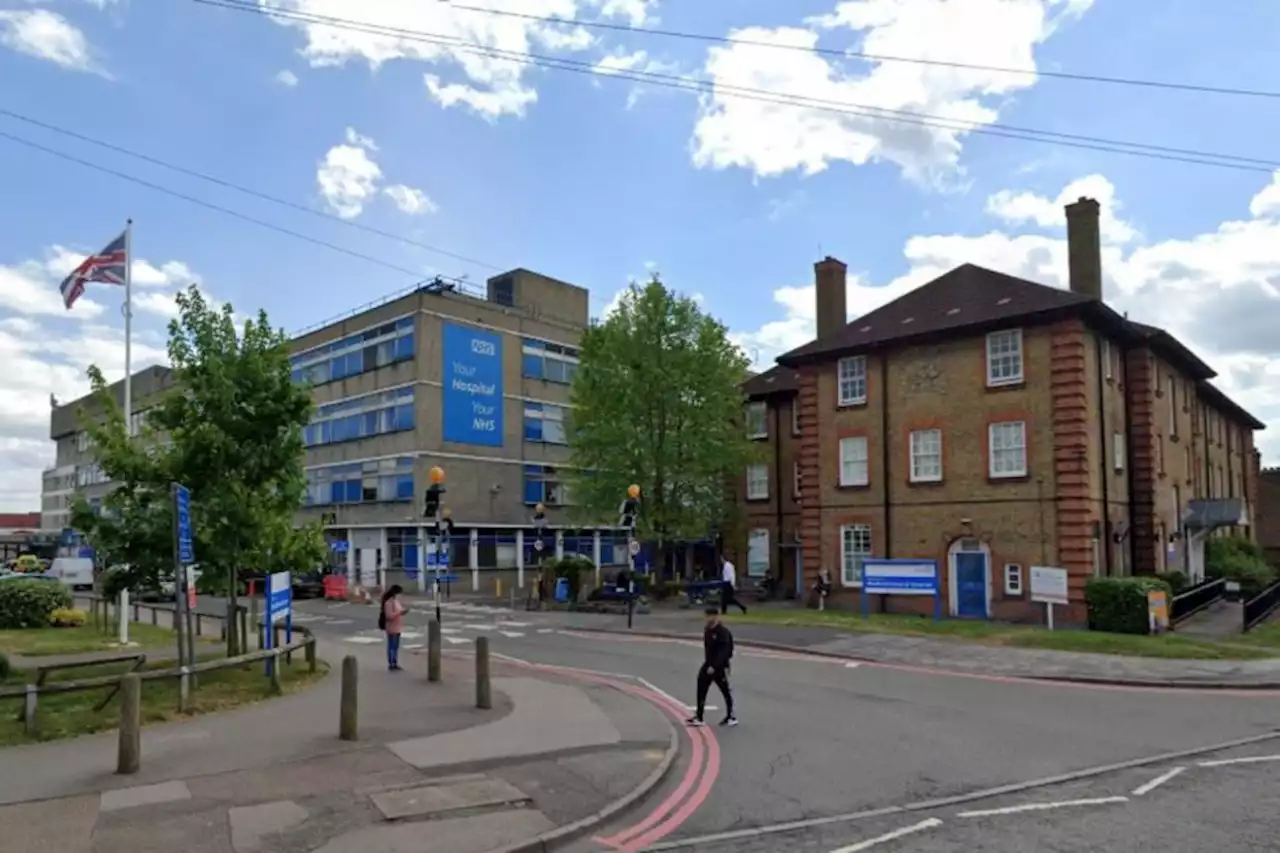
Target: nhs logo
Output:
{"points": [[472, 401], [483, 347]]}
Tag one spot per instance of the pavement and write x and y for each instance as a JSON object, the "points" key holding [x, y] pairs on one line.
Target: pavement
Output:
{"points": [[430, 772]]}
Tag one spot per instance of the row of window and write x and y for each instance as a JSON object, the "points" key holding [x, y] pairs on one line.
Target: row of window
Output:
{"points": [[374, 481], [361, 417], [1004, 367], [549, 362], [356, 354], [545, 423], [544, 485]]}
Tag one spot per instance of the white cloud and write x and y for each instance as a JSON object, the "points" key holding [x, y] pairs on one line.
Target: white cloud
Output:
{"points": [[771, 138], [429, 33], [621, 61], [1019, 207], [287, 78], [1218, 291], [46, 35], [410, 200]]}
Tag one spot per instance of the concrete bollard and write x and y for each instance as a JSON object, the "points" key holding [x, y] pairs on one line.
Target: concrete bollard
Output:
{"points": [[484, 697], [276, 687], [184, 690], [433, 651], [348, 708], [129, 755], [311, 654]]}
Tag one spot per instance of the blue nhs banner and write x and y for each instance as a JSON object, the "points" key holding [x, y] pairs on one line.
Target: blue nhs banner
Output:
{"points": [[472, 375]]}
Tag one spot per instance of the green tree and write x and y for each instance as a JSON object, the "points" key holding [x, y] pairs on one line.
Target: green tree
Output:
{"points": [[657, 403], [231, 432]]}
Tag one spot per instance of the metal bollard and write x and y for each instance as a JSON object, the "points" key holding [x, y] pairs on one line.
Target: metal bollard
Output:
{"points": [[484, 697], [311, 654], [129, 755], [433, 651], [348, 708]]}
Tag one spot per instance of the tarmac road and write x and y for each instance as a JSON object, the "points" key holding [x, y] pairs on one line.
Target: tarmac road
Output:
{"points": [[820, 739]]}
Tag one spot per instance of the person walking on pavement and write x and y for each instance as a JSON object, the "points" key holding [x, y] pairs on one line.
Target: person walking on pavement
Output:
{"points": [[728, 579], [717, 645], [391, 620]]}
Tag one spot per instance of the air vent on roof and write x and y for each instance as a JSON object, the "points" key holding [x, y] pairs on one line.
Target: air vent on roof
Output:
{"points": [[908, 320], [1004, 301], [865, 329], [953, 312]]}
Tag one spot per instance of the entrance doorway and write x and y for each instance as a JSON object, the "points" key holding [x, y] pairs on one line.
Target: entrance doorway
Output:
{"points": [[969, 590]]}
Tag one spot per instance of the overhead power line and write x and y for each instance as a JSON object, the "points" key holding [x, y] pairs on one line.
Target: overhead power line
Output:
{"points": [[872, 57], [1136, 149], [155, 161]]}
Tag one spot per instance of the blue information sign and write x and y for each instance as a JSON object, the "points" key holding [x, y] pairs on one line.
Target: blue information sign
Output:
{"points": [[182, 508], [279, 606], [472, 393], [901, 577], [339, 546]]}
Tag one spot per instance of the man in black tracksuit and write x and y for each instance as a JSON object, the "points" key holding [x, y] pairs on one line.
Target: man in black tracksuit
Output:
{"points": [[717, 644]]}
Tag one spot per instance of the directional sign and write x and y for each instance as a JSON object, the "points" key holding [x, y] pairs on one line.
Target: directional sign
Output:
{"points": [[537, 545], [182, 508], [634, 547]]}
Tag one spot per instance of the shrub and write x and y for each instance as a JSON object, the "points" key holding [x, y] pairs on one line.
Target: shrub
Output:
{"points": [[28, 604], [1177, 581], [1119, 605], [1220, 549], [4, 667], [67, 618], [572, 568], [110, 581]]}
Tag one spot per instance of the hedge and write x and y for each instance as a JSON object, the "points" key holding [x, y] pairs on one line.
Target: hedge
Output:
{"points": [[1176, 580], [1119, 605], [1238, 559], [30, 604], [4, 667]]}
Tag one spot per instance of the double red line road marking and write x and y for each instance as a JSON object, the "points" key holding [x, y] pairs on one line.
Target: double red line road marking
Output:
{"points": [[695, 785]]}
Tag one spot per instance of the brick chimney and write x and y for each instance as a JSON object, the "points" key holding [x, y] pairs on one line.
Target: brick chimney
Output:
{"points": [[1084, 248], [830, 280]]}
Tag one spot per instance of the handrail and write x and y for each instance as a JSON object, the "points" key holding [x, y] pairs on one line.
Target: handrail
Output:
{"points": [[1191, 601], [1261, 606]]}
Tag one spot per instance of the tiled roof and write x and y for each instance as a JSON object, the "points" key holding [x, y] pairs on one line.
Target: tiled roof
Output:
{"points": [[1226, 404], [775, 380], [20, 520]]}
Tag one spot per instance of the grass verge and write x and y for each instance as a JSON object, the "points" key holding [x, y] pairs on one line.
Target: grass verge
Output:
{"points": [[33, 642], [65, 715], [1257, 644]]}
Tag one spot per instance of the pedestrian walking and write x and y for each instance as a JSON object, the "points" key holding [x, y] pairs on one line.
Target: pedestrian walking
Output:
{"points": [[391, 621], [717, 651], [728, 580]]}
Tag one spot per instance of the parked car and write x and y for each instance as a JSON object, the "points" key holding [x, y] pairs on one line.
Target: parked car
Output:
{"points": [[308, 585], [75, 572]]}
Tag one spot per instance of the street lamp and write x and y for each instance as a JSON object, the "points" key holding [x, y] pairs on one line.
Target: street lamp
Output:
{"points": [[434, 508], [539, 529], [627, 520]]}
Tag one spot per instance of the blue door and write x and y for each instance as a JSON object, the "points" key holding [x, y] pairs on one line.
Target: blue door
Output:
{"points": [[971, 585]]}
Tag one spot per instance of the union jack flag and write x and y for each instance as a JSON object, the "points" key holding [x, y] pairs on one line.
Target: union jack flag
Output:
{"points": [[108, 266]]}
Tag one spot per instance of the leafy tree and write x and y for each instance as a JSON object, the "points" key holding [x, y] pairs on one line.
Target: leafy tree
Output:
{"points": [[657, 403], [231, 432]]}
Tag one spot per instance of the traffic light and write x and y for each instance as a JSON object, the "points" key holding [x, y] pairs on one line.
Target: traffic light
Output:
{"points": [[431, 501], [627, 513], [445, 525]]}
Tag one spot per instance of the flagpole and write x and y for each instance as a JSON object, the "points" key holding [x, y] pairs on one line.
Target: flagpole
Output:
{"points": [[128, 328]]}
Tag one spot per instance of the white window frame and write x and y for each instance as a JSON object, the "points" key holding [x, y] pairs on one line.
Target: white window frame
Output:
{"points": [[83, 442], [1118, 451], [919, 473], [1172, 393], [795, 416], [1106, 358], [753, 539], [1004, 349], [851, 380], [758, 476], [797, 480], [855, 546], [1006, 428], [850, 460], [757, 411], [1013, 579], [1176, 497]]}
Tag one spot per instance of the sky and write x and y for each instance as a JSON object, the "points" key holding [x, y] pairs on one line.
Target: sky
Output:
{"points": [[410, 139]]}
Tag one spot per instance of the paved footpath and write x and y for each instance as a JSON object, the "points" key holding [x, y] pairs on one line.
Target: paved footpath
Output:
{"points": [[430, 773]]}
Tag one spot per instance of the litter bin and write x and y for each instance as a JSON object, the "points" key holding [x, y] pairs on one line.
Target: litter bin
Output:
{"points": [[562, 590]]}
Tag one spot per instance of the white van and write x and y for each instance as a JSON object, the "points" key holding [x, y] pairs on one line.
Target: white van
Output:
{"points": [[75, 572]]}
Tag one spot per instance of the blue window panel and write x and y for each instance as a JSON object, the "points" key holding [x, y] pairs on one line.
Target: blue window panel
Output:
{"points": [[404, 323], [404, 347], [297, 375], [532, 491], [353, 491], [404, 417], [606, 552], [404, 462], [533, 343], [556, 370], [532, 429], [404, 487], [535, 470], [336, 493], [370, 424], [532, 366], [411, 555]]}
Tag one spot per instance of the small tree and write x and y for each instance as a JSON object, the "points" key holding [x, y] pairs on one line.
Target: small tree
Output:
{"points": [[657, 403]]}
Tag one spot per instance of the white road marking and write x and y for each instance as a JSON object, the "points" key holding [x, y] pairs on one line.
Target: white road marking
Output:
{"points": [[545, 630], [1040, 807], [1157, 782], [890, 836], [413, 645], [479, 627], [509, 624], [456, 640], [512, 634], [449, 630], [689, 707], [339, 621], [410, 635], [852, 665], [673, 700], [366, 640], [1253, 759]]}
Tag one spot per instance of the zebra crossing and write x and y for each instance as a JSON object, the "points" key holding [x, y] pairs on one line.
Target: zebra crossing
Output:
{"points": [[472, 620]]}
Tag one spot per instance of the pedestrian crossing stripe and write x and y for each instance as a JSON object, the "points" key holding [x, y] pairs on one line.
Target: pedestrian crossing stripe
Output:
{"points": [[456, 640], [512, 634], [356, 638]]}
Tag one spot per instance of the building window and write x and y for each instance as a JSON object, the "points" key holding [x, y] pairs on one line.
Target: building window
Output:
{"points": [[796, 479], [1118, 451], [375, 481], [361, 417], [1177, 509], [757, 482], [83, 442], [548, 362], [855, 547], [852, 374], [1008, 449], [90, 475], [926, 456], [504, 292], [1160, 454], [544, 485], [1004, 358], [355, 354], [1106, 358], [1173, 406], [758, 553], [137, 421], [1012, 579], [853, 461], [757, 420], [545, 423], [795, 416]]}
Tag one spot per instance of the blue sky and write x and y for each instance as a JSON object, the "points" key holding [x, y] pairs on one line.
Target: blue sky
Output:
{"points": [[595, 180]]}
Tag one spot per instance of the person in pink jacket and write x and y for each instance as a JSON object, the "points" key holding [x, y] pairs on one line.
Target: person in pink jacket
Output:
{"points": [[391, 620]]}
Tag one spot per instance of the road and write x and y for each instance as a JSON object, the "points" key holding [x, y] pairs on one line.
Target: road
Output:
{"points": [[822, 742]]}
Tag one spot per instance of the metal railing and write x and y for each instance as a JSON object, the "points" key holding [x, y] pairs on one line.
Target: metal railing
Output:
{"points": [[1192, 600], [1262, 605]]}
